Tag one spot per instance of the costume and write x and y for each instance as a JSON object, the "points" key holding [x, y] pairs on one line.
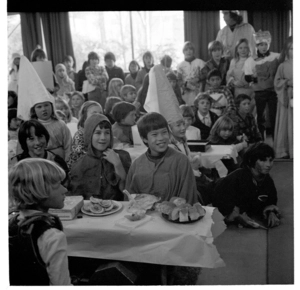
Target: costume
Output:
{"points": [[78, 148], [223, 100], [222, 67], [188, 71], [122, 133], [171, 176], [229, 38], [283, 141], [37, 250], [240, 189], [115, 72], [193, 133], [202, 127], [92, 175], [66, 85]]}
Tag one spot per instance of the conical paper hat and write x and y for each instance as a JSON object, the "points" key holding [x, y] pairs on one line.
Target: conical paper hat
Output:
{"points": [[161, 97], [31, 90]]}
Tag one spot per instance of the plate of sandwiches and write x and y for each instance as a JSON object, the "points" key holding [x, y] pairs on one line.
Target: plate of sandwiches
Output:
{"points": [[100, 207], [177, 210]]}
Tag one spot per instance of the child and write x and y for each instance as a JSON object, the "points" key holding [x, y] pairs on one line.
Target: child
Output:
{"points": [[221, 95], [78, 149], [128, 93], [244, 121], [283, 141], [61, 116], [102, 171], [217, 61], [171, 76], [69, 64], [63, 106], [37, 244], [148, 64], [113, 71], [13, 124], [38, 54], [76, 101], [192, 133], [114, 87], [260, 72], [13, 73], [133, 69], [166, 62], [124, 115], [110, 101], [12, 101], [60, 135], [162, 170], [66, 85], [204, 118], [188, 73]]}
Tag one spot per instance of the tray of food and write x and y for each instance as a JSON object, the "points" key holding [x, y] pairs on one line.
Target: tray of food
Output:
{"points": [[100, 207]]}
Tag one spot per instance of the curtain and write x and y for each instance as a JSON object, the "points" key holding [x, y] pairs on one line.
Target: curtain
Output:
{"points": [[276, 22], [57, 33], [201, 27], [31, 32]]}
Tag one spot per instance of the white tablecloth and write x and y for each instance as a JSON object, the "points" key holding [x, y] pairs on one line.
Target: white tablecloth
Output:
{"points": [[156, 240]]}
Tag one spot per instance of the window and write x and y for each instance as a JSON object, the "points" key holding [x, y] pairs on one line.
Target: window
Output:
{"points": [[160, 32]]}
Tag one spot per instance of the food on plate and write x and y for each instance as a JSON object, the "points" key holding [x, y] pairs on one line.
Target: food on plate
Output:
{"points": [[166, 207], [107, 204], [184, 215], [95, 200], [193, 213], [178, 200], [200, 209], [96, 208], [136, 216]]}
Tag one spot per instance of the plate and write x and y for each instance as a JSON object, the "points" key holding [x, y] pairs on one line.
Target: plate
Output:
{"points": [[166, 217], [117, 206]]}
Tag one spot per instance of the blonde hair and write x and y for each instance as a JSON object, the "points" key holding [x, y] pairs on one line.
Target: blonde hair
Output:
{"points": [[31, 181], [223, 123], [65, 105], [112, 87], [239, 42]]}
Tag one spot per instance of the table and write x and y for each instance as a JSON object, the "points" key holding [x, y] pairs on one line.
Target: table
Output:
{"points": [[156, 241]]}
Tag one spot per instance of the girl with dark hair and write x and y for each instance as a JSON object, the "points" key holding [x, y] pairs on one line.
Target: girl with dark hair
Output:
{"points": [[249, 192]]}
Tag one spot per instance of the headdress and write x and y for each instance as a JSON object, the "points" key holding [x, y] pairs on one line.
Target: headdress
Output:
{"points": [[262, 36]]}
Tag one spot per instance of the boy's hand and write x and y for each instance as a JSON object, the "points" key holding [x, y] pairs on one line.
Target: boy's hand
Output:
{"points": [[111, 156], [273, 220]]}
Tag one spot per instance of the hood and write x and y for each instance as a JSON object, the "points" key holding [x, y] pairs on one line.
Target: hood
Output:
{"points": [[89, 127]]}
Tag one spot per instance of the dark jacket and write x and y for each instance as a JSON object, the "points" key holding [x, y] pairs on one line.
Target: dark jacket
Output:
{"points": [[205, 130], [115, 72]]}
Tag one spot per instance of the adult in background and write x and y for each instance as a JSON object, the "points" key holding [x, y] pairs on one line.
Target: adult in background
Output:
{"points": [[113, 71], [249, 191], [234, 30]]}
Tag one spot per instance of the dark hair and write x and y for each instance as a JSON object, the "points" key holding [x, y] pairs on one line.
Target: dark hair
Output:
{"points": [[33, 114], [258, 151], [70, 58], [202, 96], [109, 55], [11, 114], [93, 55], [15, 99], [187, 111], [214, 73], [223, 123], [24, 132], [236, 17], [166, 61], [215, 45], [38, 52], [110, 101], [240, 98], [121, 110], [285, 51], [148, 54], [135, 62], [149, 122]]}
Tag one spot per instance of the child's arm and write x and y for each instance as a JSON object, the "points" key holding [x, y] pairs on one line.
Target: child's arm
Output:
{"points": [[53, 250]]}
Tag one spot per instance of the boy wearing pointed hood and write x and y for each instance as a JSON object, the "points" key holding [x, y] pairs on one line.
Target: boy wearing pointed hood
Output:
{"points": [[102, 171]]}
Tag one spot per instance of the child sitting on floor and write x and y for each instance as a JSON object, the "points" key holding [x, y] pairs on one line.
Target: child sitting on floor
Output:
{"points": [[161, 170], [204, 118], [114, 87], [76, 101], [110, 101], [192, 133], [128, 93], [124, 115], [37, 244], [102, 171], [222, 97]]}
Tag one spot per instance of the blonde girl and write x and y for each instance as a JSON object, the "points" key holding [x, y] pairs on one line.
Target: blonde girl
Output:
{"points": [[76, 101], [114, 87], [63, 106]]}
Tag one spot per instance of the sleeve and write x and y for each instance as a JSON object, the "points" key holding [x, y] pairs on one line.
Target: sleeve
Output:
{"points": [[230, 101], [280, 84], [130, 185], [90, 76], [52, 246], [249, 67], [67, 141], [125, 159], [77, 149]]}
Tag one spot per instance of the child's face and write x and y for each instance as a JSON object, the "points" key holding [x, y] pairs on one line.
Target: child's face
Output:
{"points": [[217, 54], [204, 107], [129, 119], [225, 134], [157, 141], [36, 145], [15, 124], [61, 72], [263, 167], [109, 63], [10, 101], [130, 97], [243, 50], [263, 47], [61, 116], [101, 138], [17, 61], [68, 64], [119, 87], [215, 82], [148, 61], [188, 52], [188, 121], [178, 129], [56, 197], [173, 83], [76, 101], [43, 111], [94, 62], [133, 68], [244, 107], [93, 110]]}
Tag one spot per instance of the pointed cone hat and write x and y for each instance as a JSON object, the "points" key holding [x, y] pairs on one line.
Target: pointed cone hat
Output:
{"points": [[161, 97], [31, 90]]}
